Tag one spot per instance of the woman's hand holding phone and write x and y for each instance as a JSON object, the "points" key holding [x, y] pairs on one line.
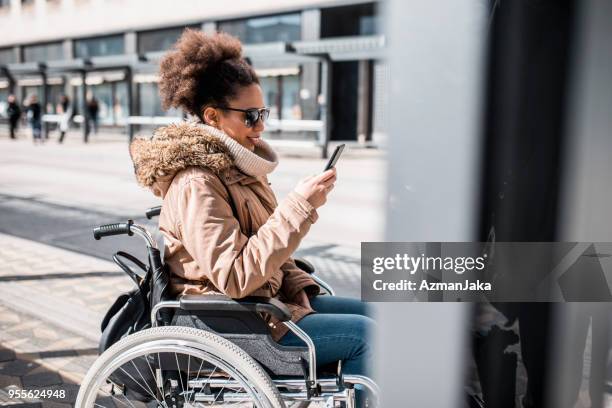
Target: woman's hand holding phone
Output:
{"points": [[315, 188]]}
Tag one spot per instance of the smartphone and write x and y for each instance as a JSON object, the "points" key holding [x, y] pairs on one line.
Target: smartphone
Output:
{"points": [[334, 157]]}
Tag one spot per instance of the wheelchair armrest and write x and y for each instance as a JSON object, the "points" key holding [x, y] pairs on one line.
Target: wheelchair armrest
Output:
{"points": [[304, 265], [310, 269], [270, 306]]}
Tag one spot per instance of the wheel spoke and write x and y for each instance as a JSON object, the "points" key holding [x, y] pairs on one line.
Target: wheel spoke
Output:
{"points": [[133, 379], [132, 405], [145, 381], [198, 376], [178, 368], [161, 390], [122, 403]]}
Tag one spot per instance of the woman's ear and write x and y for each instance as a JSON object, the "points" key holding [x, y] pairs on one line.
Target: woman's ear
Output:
{"points": [[210, 116]]}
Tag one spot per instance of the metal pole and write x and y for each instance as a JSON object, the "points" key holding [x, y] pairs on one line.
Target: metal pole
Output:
{"points": [[45, 101], [84, 106], [328, 104], [10, 78], [130, 102], [12, 84]]}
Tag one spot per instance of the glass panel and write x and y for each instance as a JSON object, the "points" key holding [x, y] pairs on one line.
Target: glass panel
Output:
{"points": [[104, 94], [368, 25], [265, 29], [159, 40], [3, 102], [101, 46], [269, 85], [112, 109], [120, 104], [360, 19], [55, 92], [78, 100], [291, 97], [43, 52], [5, 3], [28, 91], [7, 56], [150, 103]]}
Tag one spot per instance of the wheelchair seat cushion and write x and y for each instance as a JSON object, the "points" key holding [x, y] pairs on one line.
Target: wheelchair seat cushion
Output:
{"points": [[249, 332]]}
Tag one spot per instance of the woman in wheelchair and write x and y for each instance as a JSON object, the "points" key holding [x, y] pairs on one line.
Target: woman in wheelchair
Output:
{"points": [[224, 231]]}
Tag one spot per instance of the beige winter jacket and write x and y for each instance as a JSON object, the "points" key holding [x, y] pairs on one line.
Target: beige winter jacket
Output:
{"points": [[224, 231]]}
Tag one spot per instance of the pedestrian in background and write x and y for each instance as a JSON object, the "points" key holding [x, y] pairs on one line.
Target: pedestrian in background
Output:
{"points": [[34, 114], [66, 116], [14, 113], [92, 113]]}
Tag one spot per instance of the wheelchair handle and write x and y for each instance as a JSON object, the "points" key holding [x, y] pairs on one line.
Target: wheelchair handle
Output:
{"points": [[123, 228], [153, 212], [107, 230]]}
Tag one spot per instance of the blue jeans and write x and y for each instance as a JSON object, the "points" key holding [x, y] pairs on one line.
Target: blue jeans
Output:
{"points": [[340, 330], [36, 129]]}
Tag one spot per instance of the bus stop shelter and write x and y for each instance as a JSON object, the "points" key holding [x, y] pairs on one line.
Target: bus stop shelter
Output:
{"points": [[324, 52]]}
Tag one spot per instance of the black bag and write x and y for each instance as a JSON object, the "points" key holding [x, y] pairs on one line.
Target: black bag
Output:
{"points": [[128, 314], [131, 311]]}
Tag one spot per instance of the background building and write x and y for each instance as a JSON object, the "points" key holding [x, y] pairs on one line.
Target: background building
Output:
{"points": [[316, 59]]}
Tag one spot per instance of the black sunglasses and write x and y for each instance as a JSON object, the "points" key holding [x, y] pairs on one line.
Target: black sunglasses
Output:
{"points": [[251, 115]]}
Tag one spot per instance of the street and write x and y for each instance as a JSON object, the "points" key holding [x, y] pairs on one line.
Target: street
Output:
{"points": [[56, 281]]}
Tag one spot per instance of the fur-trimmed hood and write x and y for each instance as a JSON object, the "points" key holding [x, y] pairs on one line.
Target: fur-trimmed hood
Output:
{"points": [[174, 148]]}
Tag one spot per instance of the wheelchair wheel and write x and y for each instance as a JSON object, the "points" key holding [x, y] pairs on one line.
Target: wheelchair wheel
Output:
{"points": [[178, 367]]}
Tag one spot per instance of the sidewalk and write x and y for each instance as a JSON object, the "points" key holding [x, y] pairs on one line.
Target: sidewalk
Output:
{"points": [[100, 176], [51, 305]]}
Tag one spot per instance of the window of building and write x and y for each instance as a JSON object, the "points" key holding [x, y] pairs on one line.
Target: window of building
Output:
{"points": [[27, 3], [159, 40], [112, 98], [150, 103], [54, 94], [360, 19], [28, 91], [265, 29], [99, 46], [7, 56], [5, 4], [281, 95], [43, 52], [290, 103], [270, 87], [120, 103], [4, 93]]}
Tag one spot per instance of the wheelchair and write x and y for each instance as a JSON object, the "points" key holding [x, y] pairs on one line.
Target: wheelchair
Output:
{"points": [[210, 350]]}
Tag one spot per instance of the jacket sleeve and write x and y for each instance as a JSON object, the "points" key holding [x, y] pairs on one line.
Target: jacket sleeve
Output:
{"points": [[236, 264], [295, 279]]}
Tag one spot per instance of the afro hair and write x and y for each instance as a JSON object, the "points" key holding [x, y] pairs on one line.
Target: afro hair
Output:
{"points": [[203, 69]]}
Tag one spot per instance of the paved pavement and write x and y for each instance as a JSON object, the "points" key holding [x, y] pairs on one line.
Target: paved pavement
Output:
{"points": [[56, 282], [51, 304], [99, 177]]}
